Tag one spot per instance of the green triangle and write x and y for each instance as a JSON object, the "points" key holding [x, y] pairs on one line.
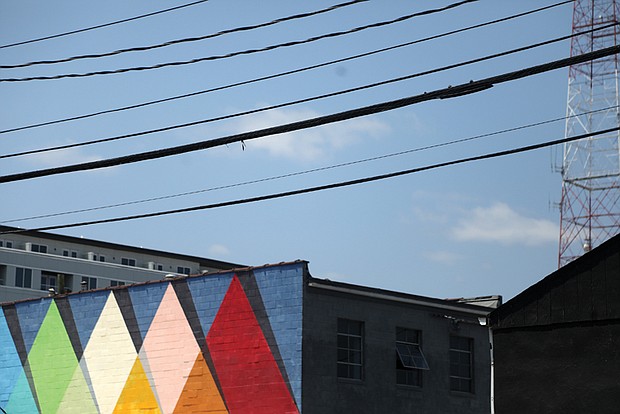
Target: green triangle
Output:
{"points": [[21, 401], [52, 361]]}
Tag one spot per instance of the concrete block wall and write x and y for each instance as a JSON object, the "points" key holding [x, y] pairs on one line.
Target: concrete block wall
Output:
{"points": [[223, 343]]}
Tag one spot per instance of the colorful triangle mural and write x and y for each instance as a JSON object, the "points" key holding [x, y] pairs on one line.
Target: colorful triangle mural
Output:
{"points": [[86, 310], [137, 395], [146, 299], [9, 361], [200, 394], [207, 294], [109, 356], [52, 361], [170, 349], [248, 373], [78, 398], [31, 317]]}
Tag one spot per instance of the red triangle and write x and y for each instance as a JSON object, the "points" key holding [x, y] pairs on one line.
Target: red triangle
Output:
{"points": [[249, 375]]}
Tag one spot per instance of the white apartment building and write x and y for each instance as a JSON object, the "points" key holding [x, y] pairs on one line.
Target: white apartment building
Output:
{"points": [[36, 264]]}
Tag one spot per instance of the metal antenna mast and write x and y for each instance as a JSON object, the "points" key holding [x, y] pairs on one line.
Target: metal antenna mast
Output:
{"points": [[590, 204]]}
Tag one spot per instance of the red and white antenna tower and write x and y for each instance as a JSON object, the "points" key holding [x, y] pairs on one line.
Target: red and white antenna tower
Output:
{"points": [[590, 204]]}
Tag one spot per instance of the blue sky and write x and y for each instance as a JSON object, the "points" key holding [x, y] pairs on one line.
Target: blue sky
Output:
{"points": [[488, 227]]}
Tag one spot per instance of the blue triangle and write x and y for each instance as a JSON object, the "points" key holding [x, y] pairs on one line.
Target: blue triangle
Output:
{"points": [[31, 315], [281, 289], [208, 293], [145, 300], [86, 309], [10, 364]]}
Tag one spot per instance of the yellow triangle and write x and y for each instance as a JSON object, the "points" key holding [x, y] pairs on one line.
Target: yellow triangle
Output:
{"points": [[137, 396], [200, 394]]}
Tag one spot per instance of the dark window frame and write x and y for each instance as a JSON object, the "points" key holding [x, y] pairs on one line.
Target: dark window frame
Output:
{"points": [[128, 261], [462, 364], [350, 349], [91, 282], [410, 360], [23, 277], [46, 281], [38, 248]]}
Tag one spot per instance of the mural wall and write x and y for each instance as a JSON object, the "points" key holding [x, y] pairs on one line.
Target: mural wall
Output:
{"points": [[222, 343]]}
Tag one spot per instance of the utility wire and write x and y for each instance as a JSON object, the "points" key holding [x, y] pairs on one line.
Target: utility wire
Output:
{"points": [[304, 172], [299, 101], [323, 187], [281, 74], [445, 93], [185, 40], [102, 25], [243, 52]]}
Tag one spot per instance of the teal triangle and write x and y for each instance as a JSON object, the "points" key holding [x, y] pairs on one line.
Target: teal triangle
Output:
{"points": [[208, 293], [10, 364], [86, 310], [31, 315], [145, 300], [21, 401]]}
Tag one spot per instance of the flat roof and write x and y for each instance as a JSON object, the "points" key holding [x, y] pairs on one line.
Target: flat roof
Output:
{"points": [[6, 231]]}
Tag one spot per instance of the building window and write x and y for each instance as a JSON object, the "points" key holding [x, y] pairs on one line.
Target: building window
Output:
{"points": [[8, 244], [461, 364], [117, 283], [70, 253], [89, 282], [184, 270], [410, 360], [38, 248], [128, 262], [160, 267], [49, 282], [350, 349], [2, 275], [101, 258], [23, 277]]}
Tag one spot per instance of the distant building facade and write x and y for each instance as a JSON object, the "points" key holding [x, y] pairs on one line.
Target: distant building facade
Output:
{"points": [[268, 339], [33, 262], [556, 345]]}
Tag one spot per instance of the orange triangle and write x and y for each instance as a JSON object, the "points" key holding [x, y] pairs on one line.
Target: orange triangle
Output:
{"points": [[137, 396], [200, 394]]}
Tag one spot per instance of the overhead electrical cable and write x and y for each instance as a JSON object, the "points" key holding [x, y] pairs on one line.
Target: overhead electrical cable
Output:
{"points": [[185, 40], [304, 172], [324, 187], [281, 74], [296, 102], [445, 93], [242, 52], [102, 25]]}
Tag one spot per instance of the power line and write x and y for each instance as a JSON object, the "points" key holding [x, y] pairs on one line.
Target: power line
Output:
{"points": [[281, 74], [304, 172], [299, 101], [445, 93], [185, 40], [323, 187], [102, 25], [243, 52]]}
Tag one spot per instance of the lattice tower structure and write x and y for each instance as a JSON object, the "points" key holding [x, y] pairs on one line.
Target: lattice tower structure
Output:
{"points": [[590, 203]]}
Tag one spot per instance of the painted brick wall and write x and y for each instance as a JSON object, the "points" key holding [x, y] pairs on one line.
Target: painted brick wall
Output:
{"points": [[222, 343]]}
